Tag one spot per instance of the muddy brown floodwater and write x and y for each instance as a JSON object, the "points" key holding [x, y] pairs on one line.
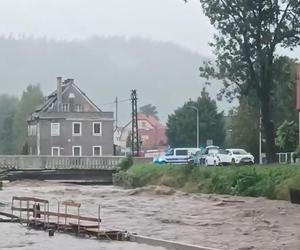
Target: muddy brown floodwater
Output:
{"points": [[218, 221]]}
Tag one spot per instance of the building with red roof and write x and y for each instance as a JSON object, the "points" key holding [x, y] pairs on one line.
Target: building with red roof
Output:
{"points": [[151, 132]]}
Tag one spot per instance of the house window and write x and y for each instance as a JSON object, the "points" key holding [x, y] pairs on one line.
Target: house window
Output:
{"points": [[78, 108], [97, 128], [32, 129], [76, 128], [97, 150], [55, 151], [65, 107], [55, 129], [76, 150]]}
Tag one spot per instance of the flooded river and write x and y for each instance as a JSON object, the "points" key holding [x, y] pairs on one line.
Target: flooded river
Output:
{"points": [[223, 222]]}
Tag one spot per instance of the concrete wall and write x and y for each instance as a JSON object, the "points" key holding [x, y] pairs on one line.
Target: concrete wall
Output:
{"points": [[167, 244]]}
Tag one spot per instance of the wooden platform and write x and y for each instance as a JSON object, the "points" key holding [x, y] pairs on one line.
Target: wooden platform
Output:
{"points": [[36, 214]]}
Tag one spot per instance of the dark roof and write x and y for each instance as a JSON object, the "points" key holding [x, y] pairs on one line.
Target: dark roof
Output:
{"points": [[41, 111]]}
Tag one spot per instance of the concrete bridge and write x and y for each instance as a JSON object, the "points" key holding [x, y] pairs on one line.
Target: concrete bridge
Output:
{"points": [[65, 168]]}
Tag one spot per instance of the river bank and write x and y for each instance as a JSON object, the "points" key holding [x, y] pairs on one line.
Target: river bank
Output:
{"points": [[219, 221], [271, 181]]}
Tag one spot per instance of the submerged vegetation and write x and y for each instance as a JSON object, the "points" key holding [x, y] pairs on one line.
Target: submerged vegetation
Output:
{"points": [[272, 181]]}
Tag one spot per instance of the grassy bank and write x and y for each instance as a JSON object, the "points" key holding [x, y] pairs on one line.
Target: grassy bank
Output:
{"points": [[266, 181]]}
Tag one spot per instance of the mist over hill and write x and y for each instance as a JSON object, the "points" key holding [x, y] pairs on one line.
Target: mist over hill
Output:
{"points": [[164, 74]]}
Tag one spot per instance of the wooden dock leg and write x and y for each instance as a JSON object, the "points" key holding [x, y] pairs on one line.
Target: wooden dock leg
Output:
{"points": [[27, 206], [12, 209], [34, 213], [45, 225], [66, 211], [58, 206], [98, 233], [20, 212], [78, 222], [48, 214]]}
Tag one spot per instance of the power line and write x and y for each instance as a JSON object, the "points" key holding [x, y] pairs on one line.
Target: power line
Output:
{"points": [[111, 103]]}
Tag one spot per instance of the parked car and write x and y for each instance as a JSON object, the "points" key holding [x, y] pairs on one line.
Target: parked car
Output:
{"points": [[235, 156], [200, 156], [176, 156], [212, 158]]}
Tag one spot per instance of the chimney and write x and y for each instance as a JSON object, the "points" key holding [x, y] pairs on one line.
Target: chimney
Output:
{"points": [[59, 94]]}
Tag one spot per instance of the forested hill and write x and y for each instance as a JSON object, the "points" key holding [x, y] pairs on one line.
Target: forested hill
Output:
{"points": [[164, 74]]}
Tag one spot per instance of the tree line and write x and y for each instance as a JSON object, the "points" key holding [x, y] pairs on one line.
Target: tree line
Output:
{"points": [[240, 128], [249, 33], [14, 113]]}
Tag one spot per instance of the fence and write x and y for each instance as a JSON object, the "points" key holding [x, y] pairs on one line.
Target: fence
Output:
{"points": [[284, 158]]}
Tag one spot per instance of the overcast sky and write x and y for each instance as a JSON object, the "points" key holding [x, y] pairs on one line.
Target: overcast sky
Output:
{"points": [[166, 20]]}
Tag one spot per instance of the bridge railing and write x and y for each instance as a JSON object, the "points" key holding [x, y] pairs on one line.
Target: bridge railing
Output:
{"points": [[59, 162], [106, 162]]}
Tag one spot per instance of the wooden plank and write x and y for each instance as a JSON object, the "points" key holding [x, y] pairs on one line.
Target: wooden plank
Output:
{"points": [[9, 215], [71, 203], [94, 230], [84, 225], [61, 215], [30, 199], [22, 209], [71, 216]]}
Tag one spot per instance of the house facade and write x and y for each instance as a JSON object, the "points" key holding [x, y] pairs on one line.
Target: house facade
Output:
{"points": [[151, 132], [70, 124]]}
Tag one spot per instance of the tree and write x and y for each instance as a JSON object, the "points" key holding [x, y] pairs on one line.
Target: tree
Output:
{"points": [[286, 136], [8, 105], [148, 110], [181, 128], [245, 119], [31, 98], [283, 96], [249, 32], [245, 127]]}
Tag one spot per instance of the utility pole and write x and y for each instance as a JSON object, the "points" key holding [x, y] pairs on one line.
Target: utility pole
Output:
{"points": [[135, 144]]}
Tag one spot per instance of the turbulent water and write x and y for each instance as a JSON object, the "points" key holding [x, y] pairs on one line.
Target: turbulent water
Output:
{"points": [[19, 237], [223, 222]]}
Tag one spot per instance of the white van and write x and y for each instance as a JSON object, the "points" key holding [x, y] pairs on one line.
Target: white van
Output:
{"points": [[178, 155]]}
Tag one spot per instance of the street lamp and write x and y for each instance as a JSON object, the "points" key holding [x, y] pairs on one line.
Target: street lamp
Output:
{"points": [[197, 110], [260, 139]]}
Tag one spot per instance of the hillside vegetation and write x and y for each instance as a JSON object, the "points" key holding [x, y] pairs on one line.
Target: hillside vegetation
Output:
{"points": [[105, 67], [272, 182]]}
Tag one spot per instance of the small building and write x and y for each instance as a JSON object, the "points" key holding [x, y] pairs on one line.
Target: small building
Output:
{"points": [[70, 124], [151, 133]]}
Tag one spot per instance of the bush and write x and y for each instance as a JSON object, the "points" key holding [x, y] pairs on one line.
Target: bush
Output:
{"points": [[272, 182], [126, 163], [296, 153]]}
